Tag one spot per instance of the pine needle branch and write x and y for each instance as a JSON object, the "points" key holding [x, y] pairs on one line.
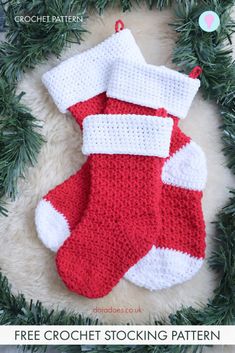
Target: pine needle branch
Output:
{"points": [[20, 142], [27, 44], [211, 51]]}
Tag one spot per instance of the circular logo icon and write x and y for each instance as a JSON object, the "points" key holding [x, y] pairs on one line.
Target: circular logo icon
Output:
{"points": [[209, 21]]}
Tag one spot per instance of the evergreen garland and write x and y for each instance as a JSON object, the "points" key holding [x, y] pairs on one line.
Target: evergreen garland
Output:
{"points": [[26, 46], [210, 51], [19, 141]]}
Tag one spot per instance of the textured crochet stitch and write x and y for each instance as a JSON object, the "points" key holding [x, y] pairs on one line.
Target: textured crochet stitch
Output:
{"points": [[179, 247]]}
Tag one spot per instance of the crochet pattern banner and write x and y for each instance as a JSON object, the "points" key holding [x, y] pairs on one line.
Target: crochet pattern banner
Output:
{"points": [[111, 335]]}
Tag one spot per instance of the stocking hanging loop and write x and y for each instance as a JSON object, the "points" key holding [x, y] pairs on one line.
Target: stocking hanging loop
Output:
{"points": [[119, 26], [196, 71]]}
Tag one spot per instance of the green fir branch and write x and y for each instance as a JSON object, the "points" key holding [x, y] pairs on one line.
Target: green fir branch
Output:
{"points": [[14, 309], [211, 51], [30, 43], [26, 45], [124, 5], [20, 142]]}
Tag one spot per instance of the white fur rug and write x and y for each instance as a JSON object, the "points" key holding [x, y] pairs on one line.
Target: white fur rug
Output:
{"points": [[28, 265]]}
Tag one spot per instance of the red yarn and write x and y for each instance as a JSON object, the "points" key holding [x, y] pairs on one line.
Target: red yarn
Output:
{"points": [[119, 25], [179, 212], [162, 112], [196, 71], [121, 220], [183, 226], [94, 105], [70, 198]]}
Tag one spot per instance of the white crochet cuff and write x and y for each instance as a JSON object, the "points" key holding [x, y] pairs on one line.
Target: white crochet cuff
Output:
{"points": [[152, 86], [127, 134], [86, 75]]}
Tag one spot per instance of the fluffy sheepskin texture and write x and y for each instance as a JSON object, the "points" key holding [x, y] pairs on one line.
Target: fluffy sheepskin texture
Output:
{"points": [[29, 266]]}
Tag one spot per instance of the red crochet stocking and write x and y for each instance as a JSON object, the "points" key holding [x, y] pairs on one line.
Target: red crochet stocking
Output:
{"points": [[127, 147], [82, 92]]}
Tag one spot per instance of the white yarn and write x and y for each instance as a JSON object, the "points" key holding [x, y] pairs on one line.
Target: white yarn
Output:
{"points": [[186, 168], [52, 226], [163, 268], [127, 134], [86, 75], [152, 86]]}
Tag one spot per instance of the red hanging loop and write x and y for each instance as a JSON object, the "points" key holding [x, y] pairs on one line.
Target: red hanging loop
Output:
{"points": [[119, 26], [162, 112], [196, 71]]}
